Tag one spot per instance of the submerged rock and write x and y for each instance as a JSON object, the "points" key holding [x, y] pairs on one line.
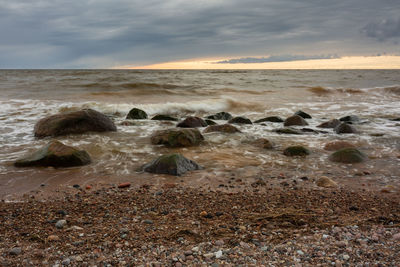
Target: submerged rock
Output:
{"points": [[351, 118], [345, 128], [161, 117], [192, 122], [295, 120], [329, 124], [225, 128], [240, 120], [76, 122], [270, 119], [177, 137], [303, 114], [136, 114], [220, 116], [296, 151], [173, 164], [337, 145], [55, 154], [264, 143], [348, 155], [288, 130]]}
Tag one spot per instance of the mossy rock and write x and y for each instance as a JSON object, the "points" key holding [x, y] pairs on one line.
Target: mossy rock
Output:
{"points": [[220, 116], [295, 120], [55, 154], [296, 151], [210, 122], [288, 130], [161, 117], [270, 119], [348, 155], [177, 137], [240, 120], [136, 114], [75, 122], [173, 164], [303, 114]]}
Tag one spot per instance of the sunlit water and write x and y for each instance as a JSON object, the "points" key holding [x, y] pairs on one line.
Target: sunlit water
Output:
{"points": [[27, 96]]}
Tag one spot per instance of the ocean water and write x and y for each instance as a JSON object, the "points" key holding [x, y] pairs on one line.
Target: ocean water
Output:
{"points": [[29, 95]]}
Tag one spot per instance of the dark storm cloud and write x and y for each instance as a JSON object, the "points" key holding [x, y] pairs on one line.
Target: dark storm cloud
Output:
{"points": [[100, 33], [384, 29]]}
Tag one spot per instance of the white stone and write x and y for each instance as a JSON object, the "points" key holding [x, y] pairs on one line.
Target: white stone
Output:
{"points": [[218, 254]]}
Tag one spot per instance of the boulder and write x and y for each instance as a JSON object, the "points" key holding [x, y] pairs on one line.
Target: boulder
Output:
{"points": [[192, 122], [210, 122], [345, 128], [161, 117], [76, 122], [351, 118], [264, 143], [288, 130], [173, 164], [55, 154], [136, 114], [348, 155], [270, 119], [296, 151], [225, 128], [177, 137], [337, 145], [303, 114], [329, 124], [295, 120], [240, 120], [220, 116]]}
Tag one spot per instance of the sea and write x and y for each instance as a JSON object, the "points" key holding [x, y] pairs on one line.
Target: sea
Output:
{"points": [[26, 96]]}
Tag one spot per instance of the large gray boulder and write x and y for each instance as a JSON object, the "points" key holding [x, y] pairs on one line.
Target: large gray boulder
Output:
{"points": [[76, 122], [173, 164], [55, 154]]}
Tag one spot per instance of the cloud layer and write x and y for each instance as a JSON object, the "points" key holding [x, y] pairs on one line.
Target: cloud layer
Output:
{"points": [[280, 58], [101, 34]]}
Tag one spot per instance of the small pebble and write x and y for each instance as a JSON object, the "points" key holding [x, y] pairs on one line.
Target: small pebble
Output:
{"points": [[61, 223], [15, 251]]}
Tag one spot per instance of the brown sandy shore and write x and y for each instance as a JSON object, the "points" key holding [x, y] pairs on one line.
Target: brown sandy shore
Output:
{"points": [[181, 226]]}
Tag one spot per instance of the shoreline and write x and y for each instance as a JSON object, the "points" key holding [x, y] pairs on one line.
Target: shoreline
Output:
{"points": [[181, 226]]}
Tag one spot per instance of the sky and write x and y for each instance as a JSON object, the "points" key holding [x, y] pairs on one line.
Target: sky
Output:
{"points": [[132, 33]]}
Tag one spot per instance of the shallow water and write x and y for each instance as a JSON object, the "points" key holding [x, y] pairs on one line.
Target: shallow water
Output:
{"points": [[28, 95]]}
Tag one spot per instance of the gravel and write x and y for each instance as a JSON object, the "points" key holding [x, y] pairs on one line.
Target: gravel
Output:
{"points": [[276, 228]]}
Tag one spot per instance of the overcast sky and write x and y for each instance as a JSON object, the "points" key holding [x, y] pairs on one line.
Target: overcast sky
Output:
{"points": [[102, 34]]}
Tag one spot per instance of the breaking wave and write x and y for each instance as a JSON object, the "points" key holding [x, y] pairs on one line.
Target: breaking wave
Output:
{"points": [[320, 91], [203, 106]]}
